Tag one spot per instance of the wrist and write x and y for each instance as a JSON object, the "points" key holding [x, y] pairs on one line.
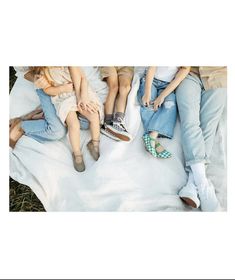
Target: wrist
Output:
{"points": [[147, 94]]}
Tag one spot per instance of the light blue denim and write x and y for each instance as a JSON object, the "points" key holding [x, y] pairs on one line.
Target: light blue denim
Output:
{"points": [[84, 123], [164, 119], [200, 111], [48, 129]]}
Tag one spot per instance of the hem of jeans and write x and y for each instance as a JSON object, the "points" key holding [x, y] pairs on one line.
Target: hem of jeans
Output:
{"points": [[161, 134], [190, 162]]}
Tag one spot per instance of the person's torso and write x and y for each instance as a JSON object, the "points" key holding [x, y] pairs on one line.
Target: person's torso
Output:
{"points": [[58, 75], [165, 73]]}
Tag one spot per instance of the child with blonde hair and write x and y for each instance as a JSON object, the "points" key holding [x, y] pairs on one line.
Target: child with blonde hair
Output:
{"points": [[74, 108]]}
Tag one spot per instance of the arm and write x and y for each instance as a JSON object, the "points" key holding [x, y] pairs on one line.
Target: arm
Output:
{"points": [[181, 74], [79, 81], [81, 89], [41, 82], [56, 90], [148, 84]]}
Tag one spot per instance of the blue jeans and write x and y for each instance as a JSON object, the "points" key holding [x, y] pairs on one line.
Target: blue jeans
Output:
{"points": [[200, 111], [47, 129], [164, 119]]}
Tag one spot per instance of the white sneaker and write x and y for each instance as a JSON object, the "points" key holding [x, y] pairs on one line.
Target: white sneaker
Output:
{"points": [[108, 133], [189, 195], [119, 130], [207, 196]]}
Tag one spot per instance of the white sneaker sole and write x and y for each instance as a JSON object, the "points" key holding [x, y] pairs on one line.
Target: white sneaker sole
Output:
{"points": [[119, 135], [109, 134]]}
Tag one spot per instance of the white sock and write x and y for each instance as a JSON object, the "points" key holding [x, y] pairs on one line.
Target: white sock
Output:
{"points": [[199, 173], [190, 177]]}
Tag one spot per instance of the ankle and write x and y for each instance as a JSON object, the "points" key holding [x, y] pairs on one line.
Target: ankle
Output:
{"points": [[77, 153], [95, 142]]}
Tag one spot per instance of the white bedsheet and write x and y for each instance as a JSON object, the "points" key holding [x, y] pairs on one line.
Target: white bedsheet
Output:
{"points": [[126, 177]]}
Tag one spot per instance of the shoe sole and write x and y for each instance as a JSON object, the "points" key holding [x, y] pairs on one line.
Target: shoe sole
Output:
{"points": [[119, 136], [189, 202], [109, 134]]}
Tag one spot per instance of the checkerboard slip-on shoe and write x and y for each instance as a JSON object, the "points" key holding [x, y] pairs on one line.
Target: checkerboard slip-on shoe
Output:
{"points": [[108, 133], [147, 143], [189, 195], [207, 196], [164, 154], [119, 130]]}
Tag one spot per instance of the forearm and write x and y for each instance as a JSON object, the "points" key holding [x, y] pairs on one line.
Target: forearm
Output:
{"points": [[180, 76], [149, 80], [54, 90], [76, 76]]}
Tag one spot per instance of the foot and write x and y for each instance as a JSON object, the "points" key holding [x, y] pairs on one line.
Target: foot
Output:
{"points": [[118, 129], [154, 147], [13, 122], [78, 162], [207, 196], [149, 145], [108, 133], [93, 147], [189, 195], [15, 133], [34, 115], [161, 152]]}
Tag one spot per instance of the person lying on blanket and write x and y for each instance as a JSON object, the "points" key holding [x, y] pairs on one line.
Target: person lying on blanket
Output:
{"points": [[81, 100], [201, 100], [158, 105], [119, 80], [42, 124]]}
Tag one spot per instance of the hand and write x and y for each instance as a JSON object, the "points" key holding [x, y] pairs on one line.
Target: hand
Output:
{"points": [[146, 100], [85, 104], [41, 82], [67, 88], [158, 102]]}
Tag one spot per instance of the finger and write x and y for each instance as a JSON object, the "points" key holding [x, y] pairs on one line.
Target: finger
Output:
{"points": [[90, 108]]}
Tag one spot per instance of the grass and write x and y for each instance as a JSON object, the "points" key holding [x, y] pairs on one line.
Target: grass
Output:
{"points": [[22, 198]]}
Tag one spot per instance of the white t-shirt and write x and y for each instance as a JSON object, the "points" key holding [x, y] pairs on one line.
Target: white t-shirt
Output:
{"points": [[165, 73]]}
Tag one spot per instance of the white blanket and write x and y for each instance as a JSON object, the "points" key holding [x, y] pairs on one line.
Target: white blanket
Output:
{"points": [[125, 178]]}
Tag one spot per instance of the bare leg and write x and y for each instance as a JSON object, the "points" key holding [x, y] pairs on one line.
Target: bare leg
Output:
{"points": [[94, 120], [74, 132], [36, 114], [112, 82], [15, 133], [93, 145], [124, 89]]}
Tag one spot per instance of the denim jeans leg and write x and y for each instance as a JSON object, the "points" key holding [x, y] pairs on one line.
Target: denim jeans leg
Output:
{"points": [[212, 106], [46, 129], [145, 112], [164, 119], [188, 95]]}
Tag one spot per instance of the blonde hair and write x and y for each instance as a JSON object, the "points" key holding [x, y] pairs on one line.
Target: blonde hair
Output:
{"points": [[42, 70]]}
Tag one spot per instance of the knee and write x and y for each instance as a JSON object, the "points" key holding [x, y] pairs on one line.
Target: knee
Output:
{"points": [[113, 87], [73, 125], [124, 89], [189, 123]]}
